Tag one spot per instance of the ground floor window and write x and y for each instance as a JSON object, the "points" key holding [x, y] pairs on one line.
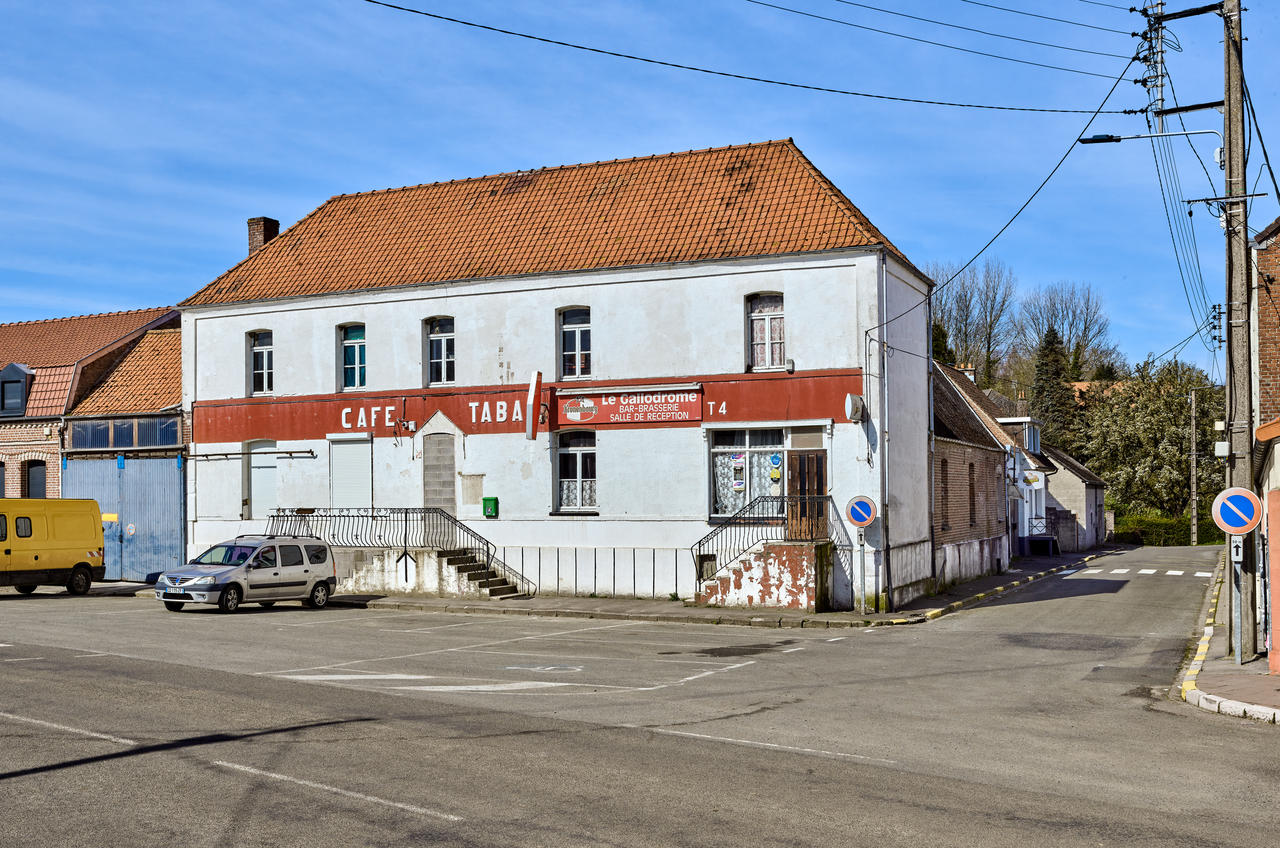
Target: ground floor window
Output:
{"points": [[576, 471], [746, 464], [33, 482]]}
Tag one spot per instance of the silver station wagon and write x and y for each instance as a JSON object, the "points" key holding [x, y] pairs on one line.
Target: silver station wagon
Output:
{"points": [[253, 569]]}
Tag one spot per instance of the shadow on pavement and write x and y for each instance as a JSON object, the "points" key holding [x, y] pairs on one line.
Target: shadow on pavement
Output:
{"points": [[1079, 587], [177, 744]]}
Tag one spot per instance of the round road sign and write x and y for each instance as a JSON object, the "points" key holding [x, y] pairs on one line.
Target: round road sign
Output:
{"points": [[1237, 511], [861, 511]]}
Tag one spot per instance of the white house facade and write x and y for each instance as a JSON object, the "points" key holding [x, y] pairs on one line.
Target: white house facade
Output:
{"points": [[688, 333]]}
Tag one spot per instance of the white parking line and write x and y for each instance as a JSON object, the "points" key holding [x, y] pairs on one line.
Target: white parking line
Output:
{"points": [[119, 740], [554, 656], [311, 677], [753, 744], [429, 629], [23, 659], [346, 793], [368, 615], [791, 650], [446, 650], [515, 686]]}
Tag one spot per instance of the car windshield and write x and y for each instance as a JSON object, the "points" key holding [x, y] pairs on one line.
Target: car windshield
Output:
{"points": [[224, 555]]}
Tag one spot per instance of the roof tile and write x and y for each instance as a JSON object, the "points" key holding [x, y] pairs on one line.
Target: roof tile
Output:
{"points": [[748, 200], [148, 379], [65, 341]]}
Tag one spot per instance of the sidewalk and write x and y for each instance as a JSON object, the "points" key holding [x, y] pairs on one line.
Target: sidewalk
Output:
{"points": [[1215, 683], [1026, 570]]}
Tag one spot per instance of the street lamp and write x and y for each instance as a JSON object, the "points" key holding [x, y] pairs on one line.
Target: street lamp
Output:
{"points": [[1112, 139]]}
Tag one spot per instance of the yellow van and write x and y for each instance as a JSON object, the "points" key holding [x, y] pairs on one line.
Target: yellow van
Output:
{"points": [[50, 542]]}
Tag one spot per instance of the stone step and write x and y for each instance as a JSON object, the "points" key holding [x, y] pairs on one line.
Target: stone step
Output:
{"points": [[480, 575], [514, 596], [493, 584], [448, 552], [466, 559]]}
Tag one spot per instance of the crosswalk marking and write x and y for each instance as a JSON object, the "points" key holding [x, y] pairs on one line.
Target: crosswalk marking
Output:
{"points": [[1093, 571], [1170, 572], [1146, 571], [1119, 571], [1204, 574], [1174, 573]]}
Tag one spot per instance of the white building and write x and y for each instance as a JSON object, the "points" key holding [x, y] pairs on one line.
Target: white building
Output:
{"points": [[704, 324]]}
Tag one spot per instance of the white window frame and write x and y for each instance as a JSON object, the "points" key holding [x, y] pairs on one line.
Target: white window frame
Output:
{"points": [[768, 320], [448, 344], [267, 352], [577, 331], [582, 491], [360, 366]]}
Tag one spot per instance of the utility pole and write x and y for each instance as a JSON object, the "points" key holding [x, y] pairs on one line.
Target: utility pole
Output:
{"points": [[1239, 384], [1195, 496]]}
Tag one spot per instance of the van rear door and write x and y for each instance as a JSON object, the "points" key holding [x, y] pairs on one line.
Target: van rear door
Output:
{"points": [[5, 549]]}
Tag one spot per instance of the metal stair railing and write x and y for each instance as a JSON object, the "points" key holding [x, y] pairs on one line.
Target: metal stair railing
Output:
{"points": [[393, 527], [773, 518]]}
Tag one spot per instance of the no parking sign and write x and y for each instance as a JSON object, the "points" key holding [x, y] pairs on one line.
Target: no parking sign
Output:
{"points": [[861, 511], [1237, 511]]}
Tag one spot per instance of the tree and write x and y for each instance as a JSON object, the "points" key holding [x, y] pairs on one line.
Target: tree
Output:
{"points": [[941, 344], [1075, 311], [1053, 402], [977, 308], [1139, 438]]}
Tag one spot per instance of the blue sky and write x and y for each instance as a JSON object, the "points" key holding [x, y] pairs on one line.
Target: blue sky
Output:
{"points": [[137, 137]]}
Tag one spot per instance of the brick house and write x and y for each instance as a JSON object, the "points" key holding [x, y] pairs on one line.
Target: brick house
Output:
{"points": [[970, 497], [46, 367], [1264, 315]]}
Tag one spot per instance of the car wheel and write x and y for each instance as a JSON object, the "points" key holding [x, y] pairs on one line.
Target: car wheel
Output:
{"points": [[319, 595], [230, 599], [174, 606], [25, 590], [80, 581], [267, 604]]}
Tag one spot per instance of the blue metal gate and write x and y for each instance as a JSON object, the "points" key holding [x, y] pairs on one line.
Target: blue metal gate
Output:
{"points": [[147, 496]]}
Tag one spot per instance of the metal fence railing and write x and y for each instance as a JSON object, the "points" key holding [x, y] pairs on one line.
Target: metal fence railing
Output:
{"points": [[393, 527], [774, 518]]}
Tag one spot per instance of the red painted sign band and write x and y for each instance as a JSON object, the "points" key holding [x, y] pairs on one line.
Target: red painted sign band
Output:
{"points": [[633, 408], [503, 409]]}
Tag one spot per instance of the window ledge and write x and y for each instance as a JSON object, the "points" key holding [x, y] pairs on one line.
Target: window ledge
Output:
{"points": [[568, 513]]}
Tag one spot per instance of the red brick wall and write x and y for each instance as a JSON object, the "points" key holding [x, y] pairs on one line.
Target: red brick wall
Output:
{"points": [[951, 524], [1268, 300], [26, 441]]}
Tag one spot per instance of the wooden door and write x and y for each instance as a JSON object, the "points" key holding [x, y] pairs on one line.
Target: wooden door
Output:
{"points": [[806, 495]]}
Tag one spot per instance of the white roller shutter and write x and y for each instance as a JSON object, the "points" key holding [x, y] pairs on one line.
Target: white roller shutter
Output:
{"points": [[351, 473]]}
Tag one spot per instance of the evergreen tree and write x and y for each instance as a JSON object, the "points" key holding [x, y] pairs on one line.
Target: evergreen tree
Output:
{"points": [[1052, 399], [942, 351]]}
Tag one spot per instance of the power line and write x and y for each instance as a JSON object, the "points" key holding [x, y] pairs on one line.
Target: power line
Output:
{"points": [[1093, 117], [982, 31], [1258, 129], [1177, 348], [745, 77], [1047, 17], [1174, 95], [1109, 5], [926, 41]]}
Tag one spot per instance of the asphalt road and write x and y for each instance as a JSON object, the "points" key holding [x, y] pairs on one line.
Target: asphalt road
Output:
{"points": [[1041, 718]]}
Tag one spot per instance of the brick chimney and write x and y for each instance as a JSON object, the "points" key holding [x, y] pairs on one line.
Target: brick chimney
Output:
{"points": [[969, 370], [261, 231], [1024, 408]]}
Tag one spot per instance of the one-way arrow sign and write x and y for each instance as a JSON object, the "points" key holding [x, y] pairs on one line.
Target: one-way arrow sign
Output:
{"points": [[1237, 548]]}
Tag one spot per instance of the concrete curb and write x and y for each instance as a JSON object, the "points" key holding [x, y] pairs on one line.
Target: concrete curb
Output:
{"points": [[729, 618], [1194, 696]]}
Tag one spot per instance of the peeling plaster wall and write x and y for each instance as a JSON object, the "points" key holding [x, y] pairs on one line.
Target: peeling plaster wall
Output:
{"points": [[786, 575]]}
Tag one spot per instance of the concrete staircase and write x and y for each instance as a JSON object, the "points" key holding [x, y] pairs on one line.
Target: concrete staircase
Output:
{"points": [[481, 576]]}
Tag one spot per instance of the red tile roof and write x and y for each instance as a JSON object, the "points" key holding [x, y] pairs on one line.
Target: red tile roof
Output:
{"points": [[48, 396], [65, 341], [148, 379], [982, 406], [749, 200]]}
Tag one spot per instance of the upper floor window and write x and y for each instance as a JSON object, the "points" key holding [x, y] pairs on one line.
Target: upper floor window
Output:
{"points": [[14, 379], [575, 343], [353, 374], [439, 351], [766, 332], [11, 397], [576, 471], [261, 363]]}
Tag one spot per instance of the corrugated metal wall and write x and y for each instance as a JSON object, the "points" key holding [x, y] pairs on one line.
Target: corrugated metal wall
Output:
{"points": [[147, 495]]}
